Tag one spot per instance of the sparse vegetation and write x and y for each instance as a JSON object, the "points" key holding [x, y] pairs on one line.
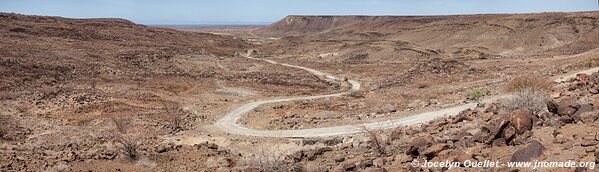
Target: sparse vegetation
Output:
{"points": [[533, 83], [271, 160], [174, 115], [533, 100], [3, 126], [131, 145], [130, 142], [2, 132], [477, 93], [122, 124], [528, 92], [379, 143]]}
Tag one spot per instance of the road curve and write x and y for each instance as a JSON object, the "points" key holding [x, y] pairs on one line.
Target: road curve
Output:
{"points": [[229, 124]]}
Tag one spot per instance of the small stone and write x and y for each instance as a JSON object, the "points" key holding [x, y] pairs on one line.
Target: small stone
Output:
{"points": [[588, 141], [339, 159], [555, 95], [379, 162], [402, 158]]}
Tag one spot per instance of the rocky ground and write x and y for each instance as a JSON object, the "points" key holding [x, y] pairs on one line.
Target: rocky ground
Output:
{"points": [[68, 85], [112, 95], [565, 129]]}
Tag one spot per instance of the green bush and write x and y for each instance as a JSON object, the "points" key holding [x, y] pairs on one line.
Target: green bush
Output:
{"points": [[477, 94]]}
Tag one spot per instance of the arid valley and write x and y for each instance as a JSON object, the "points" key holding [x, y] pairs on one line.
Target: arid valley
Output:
{"points": [[307, 93]]}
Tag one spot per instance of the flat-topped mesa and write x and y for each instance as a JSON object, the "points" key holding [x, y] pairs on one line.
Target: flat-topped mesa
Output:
{"points": [[320, 23], [501, 33], [296, 24]]}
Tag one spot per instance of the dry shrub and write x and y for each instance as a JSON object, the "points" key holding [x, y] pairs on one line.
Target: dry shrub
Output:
{"points": [[533, 83], [379, 143], [4, 125], [269, 160], [533, 100], [122, 124], [131, 143], [2, 132], [528, 92], [174, 115]]}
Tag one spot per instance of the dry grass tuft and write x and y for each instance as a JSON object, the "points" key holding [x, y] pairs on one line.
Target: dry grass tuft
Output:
{"points": [[269, 160], [527, 82], [131, 143], [4, 125], [379, 143], [174, 115]]}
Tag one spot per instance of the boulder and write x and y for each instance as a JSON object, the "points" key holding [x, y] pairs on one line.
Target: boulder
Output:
{"points": [[589, 117], [532, 151], [552, 106], [496, 129], [567, 107], [418, 144], [583, 108], [434, 150], [521, 119], [493, 108]]}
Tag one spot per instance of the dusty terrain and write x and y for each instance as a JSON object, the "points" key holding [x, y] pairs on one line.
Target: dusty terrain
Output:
{"points": [[76, 94]]}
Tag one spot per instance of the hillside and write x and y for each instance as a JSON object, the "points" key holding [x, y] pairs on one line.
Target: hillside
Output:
{"points": [[69, 87], [496, 34]]}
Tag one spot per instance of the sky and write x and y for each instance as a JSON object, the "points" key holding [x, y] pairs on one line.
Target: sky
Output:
{"points": [[225, 12]]}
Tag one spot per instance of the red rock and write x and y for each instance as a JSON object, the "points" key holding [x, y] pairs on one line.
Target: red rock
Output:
{"points": [[493, 108], [418, 144], [533, 150], [581, 109], [589, 117], [583, 78], [595, 102], [588, 141], [521, 119], [567, 107], [433, 150], [552, 106], [509, 133]]}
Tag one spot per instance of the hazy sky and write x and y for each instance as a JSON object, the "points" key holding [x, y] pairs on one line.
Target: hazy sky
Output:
{"points": [[268, 11]]}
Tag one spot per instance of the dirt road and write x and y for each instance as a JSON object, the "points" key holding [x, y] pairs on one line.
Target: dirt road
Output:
{"points": [[229, 122]]}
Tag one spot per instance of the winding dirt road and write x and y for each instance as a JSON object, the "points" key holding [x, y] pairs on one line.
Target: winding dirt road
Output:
{"points": [[229, 122]]}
